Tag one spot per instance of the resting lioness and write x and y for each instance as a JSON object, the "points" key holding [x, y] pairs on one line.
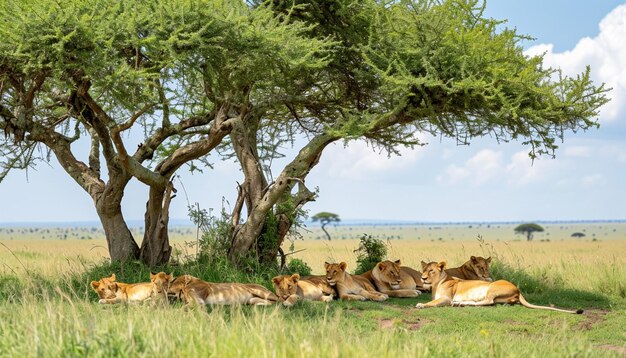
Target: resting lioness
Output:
{"points": [[110, 291], [193, 290], [351, 287], [477, 268], [393, 280], [451, 291], [291, 288], [160, 286]]}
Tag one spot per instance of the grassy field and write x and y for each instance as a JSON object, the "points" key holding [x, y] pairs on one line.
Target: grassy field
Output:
{"points": [[47, 308]]}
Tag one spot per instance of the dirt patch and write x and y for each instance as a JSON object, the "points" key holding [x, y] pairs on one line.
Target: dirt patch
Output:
{"points": [[417, 324], [610, 347], [593, 317], [411, 325]]}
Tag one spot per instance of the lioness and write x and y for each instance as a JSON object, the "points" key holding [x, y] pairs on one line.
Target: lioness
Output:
{"points": [[451, 291], [393, 280], [351, 287], [160, 286], [291, 288], [477, 268], [110, 291], [193, 290]]}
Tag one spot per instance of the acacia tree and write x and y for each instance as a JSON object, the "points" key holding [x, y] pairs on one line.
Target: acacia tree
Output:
{"points": [[325, 218], [400, 69], [181, 71], [528, 229]]}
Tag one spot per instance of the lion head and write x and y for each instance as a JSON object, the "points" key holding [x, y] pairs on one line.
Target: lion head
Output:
{"points": [[480, 266], [105, 287], [176, 285], [432, 272], [389, 272], [286, 285], [161, 282], [335, 272]]}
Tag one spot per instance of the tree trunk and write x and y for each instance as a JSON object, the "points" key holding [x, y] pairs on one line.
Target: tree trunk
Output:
{"points": [[246, 235], [155, 247], [120, 241]]}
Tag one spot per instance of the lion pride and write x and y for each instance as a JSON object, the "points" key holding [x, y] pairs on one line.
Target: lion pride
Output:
{"points": [[451, 291]]}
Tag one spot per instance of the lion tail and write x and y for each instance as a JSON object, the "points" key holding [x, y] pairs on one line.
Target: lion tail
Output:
{"points": [[525, 303]]}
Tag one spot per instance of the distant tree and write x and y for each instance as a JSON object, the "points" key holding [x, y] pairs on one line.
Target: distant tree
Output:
{"points": [[578, 235], [528, 229], [325, 218]]}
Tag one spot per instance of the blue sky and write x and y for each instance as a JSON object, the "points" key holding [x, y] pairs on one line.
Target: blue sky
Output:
{"points": [[485, 181]]}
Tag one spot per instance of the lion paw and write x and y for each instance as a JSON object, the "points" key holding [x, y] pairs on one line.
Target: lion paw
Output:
{"points": [[420, 306], [102, 301], [327, 298]]}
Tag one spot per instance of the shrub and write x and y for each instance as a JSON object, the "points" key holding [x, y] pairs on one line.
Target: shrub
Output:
{"points": [[298, 266], [370, 252]]}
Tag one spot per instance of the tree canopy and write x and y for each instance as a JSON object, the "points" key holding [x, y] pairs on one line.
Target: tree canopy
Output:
{"points": [[248, 78], [325, 218], [528, 229]]}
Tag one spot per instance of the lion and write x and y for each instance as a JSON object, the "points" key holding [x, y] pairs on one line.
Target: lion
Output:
{"points": [[393, 280], [351, 287], [452, 291], [111, 292], [160, 286], [193, 290], [291, 288], [477, 268]]}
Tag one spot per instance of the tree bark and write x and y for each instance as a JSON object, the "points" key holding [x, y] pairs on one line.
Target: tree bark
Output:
{"points": [[155, 247]]}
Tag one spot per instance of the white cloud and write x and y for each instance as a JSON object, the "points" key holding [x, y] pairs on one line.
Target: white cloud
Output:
{"points": [[591, 180], [577, 151], [358, 159], [522, 170], [480, 168], [605, 53]]}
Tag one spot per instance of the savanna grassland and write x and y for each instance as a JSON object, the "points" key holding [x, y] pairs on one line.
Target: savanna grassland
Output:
{"points": [[48, 309]]}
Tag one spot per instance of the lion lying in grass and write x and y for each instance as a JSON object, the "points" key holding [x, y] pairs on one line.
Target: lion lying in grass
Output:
{"points": [[291, 288], [451, 291], [351, 287], [111, 292], [394, 280], [477, 268], [193, 290]]}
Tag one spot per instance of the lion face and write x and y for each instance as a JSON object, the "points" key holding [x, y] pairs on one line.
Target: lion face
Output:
{"points": [[161, 282], [176, 286], [285, 285], [105, 287], [481, 267], [432, 272], [390, 273], [335, 272]]}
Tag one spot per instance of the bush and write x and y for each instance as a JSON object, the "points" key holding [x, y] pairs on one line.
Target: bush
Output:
{"points": [[370, 252], [298, 266]]}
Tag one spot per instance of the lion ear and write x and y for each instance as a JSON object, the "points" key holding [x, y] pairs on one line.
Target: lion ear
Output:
{"points": [[276, 280], [488, 260], [424, 264], [441, 265], [95, 284], [398, 262], [112, 278], [170, 277], [381, 266], [326, 264], [473, 258], [295, 277], [343, 265], [152, 275]]}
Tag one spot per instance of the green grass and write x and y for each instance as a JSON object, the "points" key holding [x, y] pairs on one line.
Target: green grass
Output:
{"points": [[51, 313]]}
